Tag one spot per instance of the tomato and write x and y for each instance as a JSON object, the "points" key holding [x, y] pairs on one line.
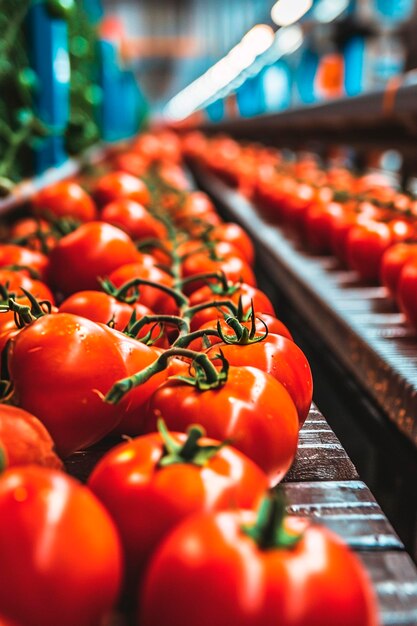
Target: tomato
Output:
{"points": [[101, 307], [118, 184], [18, 280], [234, 234], [173, 175], [393, 262], [28, 228], [134, 219], [234, 268], [366, 243], [252, 410], [64, 199], [25, 439], [60, 548], [147, 499], [318, 223], [281, 358], [248, 293], [151, 297], [407, 291], [130, 162], [11, 254], [197, 206], [60, 365], [209, 571], [91, 252]]}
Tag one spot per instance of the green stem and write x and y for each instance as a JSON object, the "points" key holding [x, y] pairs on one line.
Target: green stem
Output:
{"points": [[211, 377], [177, 296], [185, 340], [269, 530], [219, 276], [191, 311], [173, 320], [191, 451]]}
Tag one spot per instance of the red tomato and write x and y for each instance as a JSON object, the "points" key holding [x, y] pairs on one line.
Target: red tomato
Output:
{"points": [[115, 185], [248, 293], [209, 571], [233, 233], [393, 262], [281, 358], [318, 223], [91, 252], [101, 307], [252, 410], [16, 280], [407, 291], [10, 254], [25, 439], [130, 162], [366, 244], [65, 199], [65, 562], [60, 366], [146, 499], [234, 268], [134, 219], [151, 297], [27, 228]]}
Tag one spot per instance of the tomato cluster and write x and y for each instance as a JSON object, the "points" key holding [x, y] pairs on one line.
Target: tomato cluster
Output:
{"points": [[367, 224], [128, 307]]}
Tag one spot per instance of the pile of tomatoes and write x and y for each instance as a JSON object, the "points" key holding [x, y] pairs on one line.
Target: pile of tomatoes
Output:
{"points": [[367, 224], [129, 308]]}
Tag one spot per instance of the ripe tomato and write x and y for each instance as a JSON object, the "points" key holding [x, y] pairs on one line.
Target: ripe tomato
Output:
{"points": [[25, 439], [318, 224], [252, 410], [134, 219], [28, 228], [91, 252], [407, 291], [210, 571], [151, 297], [101, 307], [393, 262], [248, 293], [281, 358], [16, 280], [366, 243], [146, 499], [115, 185], [234, 268], [64, 562], [65, 199], [234, 234], [60, 366], [10, 254], [130, 162]]}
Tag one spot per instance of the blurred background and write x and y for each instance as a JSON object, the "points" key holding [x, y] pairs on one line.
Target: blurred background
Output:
{"points": [[74, 72]]}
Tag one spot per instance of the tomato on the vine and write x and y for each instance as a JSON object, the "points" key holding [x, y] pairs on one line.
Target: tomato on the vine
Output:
{"points": [[64, 199], [119, 184], [134, 219]]}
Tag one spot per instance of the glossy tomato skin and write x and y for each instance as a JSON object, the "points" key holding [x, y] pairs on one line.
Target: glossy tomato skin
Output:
{"points": [[234, 234], [91, 252], [64, 561], [17, 280], [227, 579], [147, 501], [60, 366], [252, 410], [407, 291], [151, 297], [248, 293], [119, 184], [11, 254], [281, 358], [25, 439], [101, 307], [366, 244], [134, 219], [65, 199], [392, 263], [234, 268]]}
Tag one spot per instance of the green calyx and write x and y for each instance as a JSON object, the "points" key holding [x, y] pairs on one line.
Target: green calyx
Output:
{"points": [[191, 451], [269, 531]]}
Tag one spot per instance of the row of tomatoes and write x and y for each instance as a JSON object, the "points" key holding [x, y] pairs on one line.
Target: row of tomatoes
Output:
{"points": [[129, 307], [368, 225]]}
